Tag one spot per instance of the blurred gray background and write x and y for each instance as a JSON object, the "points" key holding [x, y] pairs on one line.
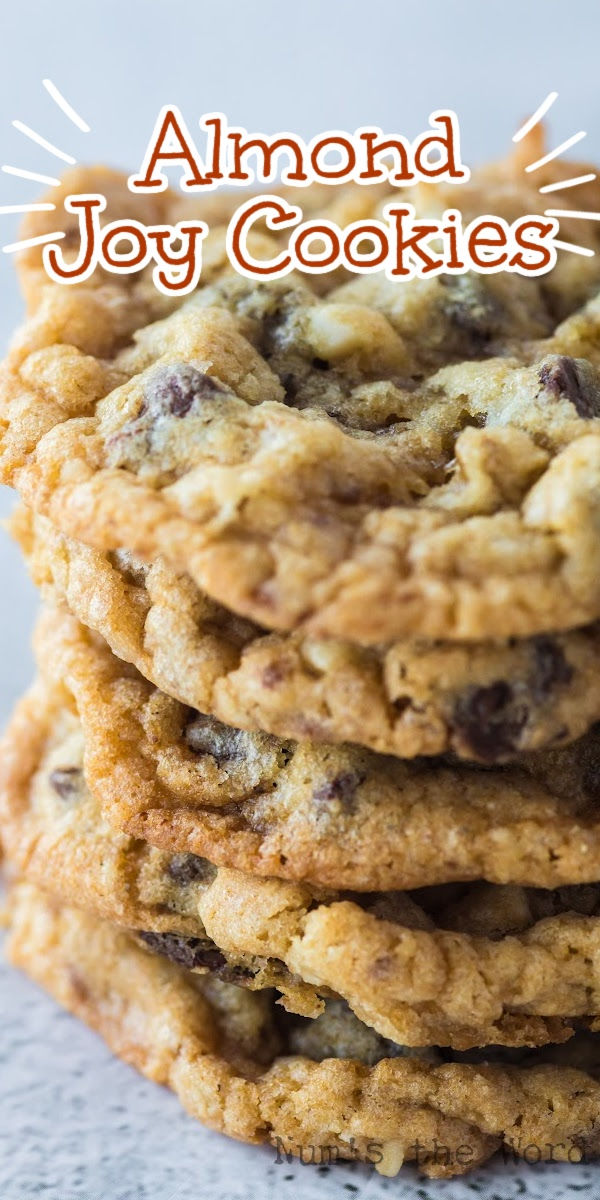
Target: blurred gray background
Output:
{"points": [[77, 1124]]}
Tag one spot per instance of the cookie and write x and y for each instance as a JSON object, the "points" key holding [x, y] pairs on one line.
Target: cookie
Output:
{"points": [[52, 830], [483, 701], [294, 1083], [334, 816], [308, 465], [459, 967]]}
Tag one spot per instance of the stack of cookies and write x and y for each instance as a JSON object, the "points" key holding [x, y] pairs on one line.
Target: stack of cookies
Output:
{"points": [[302, 812]]}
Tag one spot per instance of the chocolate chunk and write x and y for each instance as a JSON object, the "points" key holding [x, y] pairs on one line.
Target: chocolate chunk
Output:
{"points": [[204, 735], [236, 974], [490, 720], [278, 326], [550, 667], [66, 782], [341, 789], [473, 312], [190, 952], [172, 390], [197, 953], [320, 364], [573, 379], [190, 868], [579, 897], [273, 330]]}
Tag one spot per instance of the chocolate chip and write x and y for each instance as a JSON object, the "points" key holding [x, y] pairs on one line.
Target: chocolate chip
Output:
{"points": [[349, 492], [172, 390], [291, 385], [550, 667], [342, 788], [273, 328], [66, 782], [490, 720], [190, 952], [190, 868], [573, 379], [273, 674], [320, 364], [204, 735], [580, 898], [237, 974]]}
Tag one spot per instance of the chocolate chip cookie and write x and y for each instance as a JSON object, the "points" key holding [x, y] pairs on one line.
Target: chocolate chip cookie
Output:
{"points": [[311, 462], [458, 966], [53, 832], [329, 1083], [333, 815]]}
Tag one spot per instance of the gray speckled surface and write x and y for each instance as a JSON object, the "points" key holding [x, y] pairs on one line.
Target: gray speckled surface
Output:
{"points": [[79, 1125]]}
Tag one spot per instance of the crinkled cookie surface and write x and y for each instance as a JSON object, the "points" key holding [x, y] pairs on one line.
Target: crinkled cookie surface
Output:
{"points": [[333, 815], [379, 461], [485, 701]]}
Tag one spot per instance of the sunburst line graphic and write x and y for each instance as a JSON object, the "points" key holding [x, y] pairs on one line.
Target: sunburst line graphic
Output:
{"points": [[574, 249], [23, 208], [64, 105], [44, 143], [76, 119], [35, 241], [570, 212], [560, 184], [536, 118], [556, 153], [49, 180]]}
